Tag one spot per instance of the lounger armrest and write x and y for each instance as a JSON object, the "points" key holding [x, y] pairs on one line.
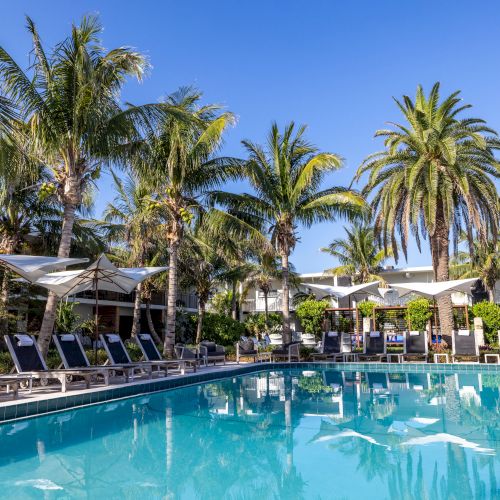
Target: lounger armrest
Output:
{"points": [[220, 349]]}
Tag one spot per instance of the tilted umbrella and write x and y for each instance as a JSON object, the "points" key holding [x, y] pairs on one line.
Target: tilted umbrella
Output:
{"points": [[346, 291], [33, 267], [436, 290], [100, 275]]}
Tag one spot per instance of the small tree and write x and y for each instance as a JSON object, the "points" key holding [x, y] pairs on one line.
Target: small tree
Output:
{"points": [[418, 313], [311, 314], [490, 314]]}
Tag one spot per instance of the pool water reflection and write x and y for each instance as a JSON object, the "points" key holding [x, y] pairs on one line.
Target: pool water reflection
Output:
{"points": [[288, 434]]}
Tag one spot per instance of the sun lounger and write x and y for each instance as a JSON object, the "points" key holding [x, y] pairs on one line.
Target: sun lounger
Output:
{"points": [[152, 355], [334, 346], [463, 344], [73, 356], [118, 355], [414, 346], [12, 383], [287, 351], [185, 353], [374, 346], [29, 362]]}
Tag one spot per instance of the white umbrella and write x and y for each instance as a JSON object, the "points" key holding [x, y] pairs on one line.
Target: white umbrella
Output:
{"points": [[436, 289], [345, 291], [32, 267], [100, 275]]}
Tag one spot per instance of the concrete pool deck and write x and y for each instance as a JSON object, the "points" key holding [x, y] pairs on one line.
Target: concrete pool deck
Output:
{"points": [[50, 399]]}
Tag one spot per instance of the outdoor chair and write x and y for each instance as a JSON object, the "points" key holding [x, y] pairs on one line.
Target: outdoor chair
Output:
{"points": [[29, 362], [152, 355], [463, 344], [118, 355], [246, 348], [212, 352], [414, 346], [334, 346], [287, 351], [183, 352], [73, 356], [374, 346]]}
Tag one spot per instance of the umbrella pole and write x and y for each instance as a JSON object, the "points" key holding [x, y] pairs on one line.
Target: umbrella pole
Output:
{"points": [[96, 334]]}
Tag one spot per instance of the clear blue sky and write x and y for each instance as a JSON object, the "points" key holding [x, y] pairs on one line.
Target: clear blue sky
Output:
{"points": [[330, 64]]}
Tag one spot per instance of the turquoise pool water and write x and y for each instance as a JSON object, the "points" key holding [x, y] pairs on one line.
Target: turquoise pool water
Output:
{"points": [[288, 434]]}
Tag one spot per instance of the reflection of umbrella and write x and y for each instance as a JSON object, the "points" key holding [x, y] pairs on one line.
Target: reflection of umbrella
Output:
{"points": [[32, 267], [437, 289], [100, 275]]}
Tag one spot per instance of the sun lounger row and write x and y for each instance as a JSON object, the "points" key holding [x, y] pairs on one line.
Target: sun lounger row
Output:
{"points": [[30, 364], [338, 347]]}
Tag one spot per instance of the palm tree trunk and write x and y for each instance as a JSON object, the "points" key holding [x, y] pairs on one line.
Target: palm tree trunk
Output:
{"points": [[266, 308], [491, 295], [151, 325], [201, 315], [440, 243], [49, 316], [234, 310], [168, 346], [136, 322], [286, 298]]}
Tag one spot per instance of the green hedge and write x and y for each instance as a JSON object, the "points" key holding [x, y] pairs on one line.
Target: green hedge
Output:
{"points": [[256, 323], [418, 313], [311, 314]]}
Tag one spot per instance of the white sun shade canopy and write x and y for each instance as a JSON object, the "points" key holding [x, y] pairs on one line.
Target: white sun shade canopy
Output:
{"points": [[33, 267], [437, 289], [345, 291], [101, 275]]}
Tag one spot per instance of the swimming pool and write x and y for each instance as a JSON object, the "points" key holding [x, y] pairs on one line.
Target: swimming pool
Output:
{"points": [[272, 434]]}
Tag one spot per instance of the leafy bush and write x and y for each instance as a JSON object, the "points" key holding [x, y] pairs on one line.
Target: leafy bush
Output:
{"points": [[67, 320], [490, 313], [220, 328], [418, 313], [311, 314], [256, 323], [221, 303], [366, 308]]}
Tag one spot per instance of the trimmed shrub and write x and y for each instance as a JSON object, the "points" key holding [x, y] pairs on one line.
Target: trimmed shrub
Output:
{"points": [[490, 313], [418, 313], [311, 314], [366, 308]]}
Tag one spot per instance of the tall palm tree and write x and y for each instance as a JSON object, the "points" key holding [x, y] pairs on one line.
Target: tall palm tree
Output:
{"points": [[70, 99], [358, 254], [133, 219], [433, 178], [203, 266], [287, 176], [483, 262], [179, 156]]}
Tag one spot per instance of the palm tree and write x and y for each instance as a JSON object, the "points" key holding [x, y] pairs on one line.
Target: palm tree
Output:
{"points": [[433, 178], [358, 254], [482, 261], [179, 158], [133, 219], [203, 266], [70, 99], [286, 177]]}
